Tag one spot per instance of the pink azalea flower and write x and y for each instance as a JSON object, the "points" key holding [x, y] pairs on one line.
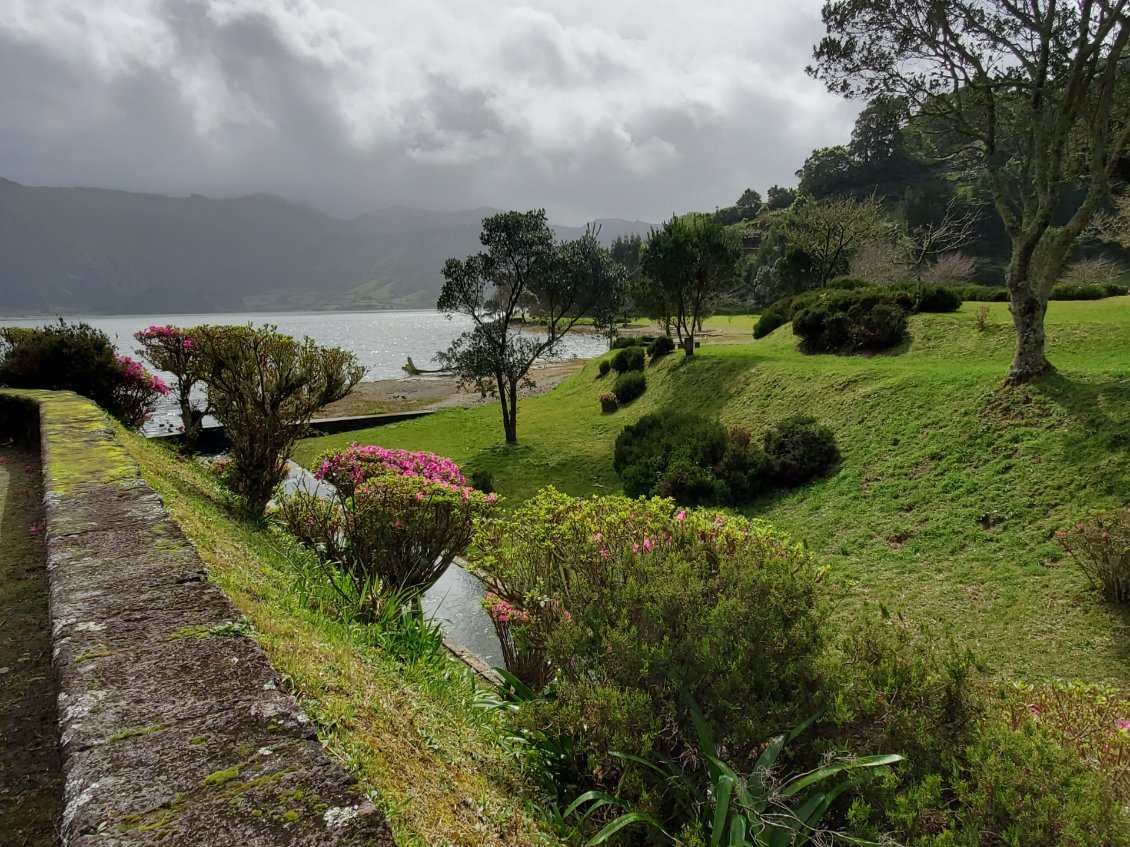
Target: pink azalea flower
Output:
{"points": [[648, 545], [682, 516]]}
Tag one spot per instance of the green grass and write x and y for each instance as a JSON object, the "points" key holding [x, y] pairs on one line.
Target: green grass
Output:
{"points": [[409, 730], [950, 489]]}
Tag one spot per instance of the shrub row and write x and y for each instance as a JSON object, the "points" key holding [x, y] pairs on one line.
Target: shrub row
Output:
{"points": [[695, 461]]}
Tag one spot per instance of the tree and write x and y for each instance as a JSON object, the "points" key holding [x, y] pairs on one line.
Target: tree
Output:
{"points": [[923, 245], [521, 261], [174, 351], [828, 172], [876, 135], [750, 199], [829, 232], [691, 260], [777, 198], [1037, 91], [264, 387]]}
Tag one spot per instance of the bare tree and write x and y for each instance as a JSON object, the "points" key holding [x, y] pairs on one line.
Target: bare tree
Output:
{"points": [[1038, 90], [951, 269], [922, 245], [879, 262]]}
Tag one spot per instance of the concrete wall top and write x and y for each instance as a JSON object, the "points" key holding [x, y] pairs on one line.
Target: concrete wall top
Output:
{"points": [[172, 725]]}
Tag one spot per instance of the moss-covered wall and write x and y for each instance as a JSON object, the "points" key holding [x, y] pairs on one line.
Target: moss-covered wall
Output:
{"points": [[172, 725]]}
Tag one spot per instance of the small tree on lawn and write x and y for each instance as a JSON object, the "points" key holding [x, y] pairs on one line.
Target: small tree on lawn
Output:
{"points": [[1037, 90], [691, 261], [264, 387], [521, 262], [830, 231], [174, 350]]}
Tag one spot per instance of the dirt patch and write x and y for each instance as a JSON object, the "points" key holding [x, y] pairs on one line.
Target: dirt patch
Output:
{"points": [[30, 782], [383, 396]]}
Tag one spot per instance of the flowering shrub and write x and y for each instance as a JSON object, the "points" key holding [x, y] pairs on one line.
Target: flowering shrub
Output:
{"points": [[136, 394], [1101, 548], [397, 520], [175, 351], [1092, 720], [628, 602], [608, 403]]}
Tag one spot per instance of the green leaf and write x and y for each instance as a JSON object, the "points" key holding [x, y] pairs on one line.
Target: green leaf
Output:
{"points": [[723, 788], [602, 798], [623, 821], [823, 773]]}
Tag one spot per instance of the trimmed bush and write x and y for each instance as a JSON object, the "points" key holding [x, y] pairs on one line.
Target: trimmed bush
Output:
{"points": [[768, 322], [481, 480], [628, 359], [79, 358], [604, 367], [938, 299], [797, 450], [848, 284], [982, 293], [1115, 289], [629, 386], [661, 346], [849, 321], [624, 341], [1066, 291], [608, 403], [659, 441]]}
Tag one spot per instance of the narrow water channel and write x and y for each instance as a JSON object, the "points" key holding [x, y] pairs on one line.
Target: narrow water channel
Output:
{"points": [[30, 775], [454, 601]]}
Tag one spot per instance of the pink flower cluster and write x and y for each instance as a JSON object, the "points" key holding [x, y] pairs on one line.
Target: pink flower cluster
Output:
{"points": [[362, 463], [135, 372], [152, 333], [505, 612]]}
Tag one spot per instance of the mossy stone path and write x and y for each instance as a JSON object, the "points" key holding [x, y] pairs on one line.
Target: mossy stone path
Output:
{"points": [[30, 779]]}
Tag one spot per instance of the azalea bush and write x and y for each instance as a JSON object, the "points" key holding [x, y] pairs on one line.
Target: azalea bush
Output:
{"points": [[79, 358], [175, 351], [395, 521], [1100, 547]]}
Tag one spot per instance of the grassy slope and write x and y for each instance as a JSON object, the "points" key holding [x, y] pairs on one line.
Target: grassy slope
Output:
{"points": [[950, 487], [410, 734]]}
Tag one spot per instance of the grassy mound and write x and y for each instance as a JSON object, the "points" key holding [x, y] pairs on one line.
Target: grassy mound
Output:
{"points": [[950, 487], [408, 730]]}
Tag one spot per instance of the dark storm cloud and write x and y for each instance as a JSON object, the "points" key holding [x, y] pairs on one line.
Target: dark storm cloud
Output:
{"points": [[591, 109]]}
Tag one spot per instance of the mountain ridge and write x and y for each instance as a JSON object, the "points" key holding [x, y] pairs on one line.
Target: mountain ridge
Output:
{"points": [[106, 251]]}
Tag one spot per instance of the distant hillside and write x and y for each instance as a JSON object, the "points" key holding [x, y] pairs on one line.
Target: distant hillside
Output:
{"points": [[90, 250]]}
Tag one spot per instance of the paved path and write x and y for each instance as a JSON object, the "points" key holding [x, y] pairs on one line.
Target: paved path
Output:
{"points": [[30, 778]]}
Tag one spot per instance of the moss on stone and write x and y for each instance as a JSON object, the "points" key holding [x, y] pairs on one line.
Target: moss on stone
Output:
{"points": [[223, 777], [161, 818], [134, 733], [198, 740]]}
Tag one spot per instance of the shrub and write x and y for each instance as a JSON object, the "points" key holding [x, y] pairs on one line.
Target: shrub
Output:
{"points": [[982, 293], [608, 403], [482, 480], [768, 322], [1115, 289], [629, 386], [692, 485], [637, 601], [848, 321], [604, 367], [799, 449], [1066, 291], [848, 284], [937, 298], [395, 523], [661, 346], [628, 359], [174, 350], [264, 387], [645, 450], [624, 341], [79, 358], [1101, 549]]}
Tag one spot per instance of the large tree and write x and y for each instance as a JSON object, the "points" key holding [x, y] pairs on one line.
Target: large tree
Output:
{"points": [[521, 264], [690, 261], [1037, 89]]}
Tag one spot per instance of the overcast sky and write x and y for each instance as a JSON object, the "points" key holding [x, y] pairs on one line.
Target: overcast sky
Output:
{"points": [[590, 108]]}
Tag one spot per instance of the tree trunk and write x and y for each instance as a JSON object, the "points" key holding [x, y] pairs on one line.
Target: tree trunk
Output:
{"points": [[510, 420], [1029, 361]]}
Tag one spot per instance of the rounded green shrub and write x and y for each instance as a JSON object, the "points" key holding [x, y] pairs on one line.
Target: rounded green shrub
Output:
{"points": [[982, 293], [604, 367], [1065, 291], [849, 321], [628, 359], [624, 341], [608, 403], [768, 322], [938, 299], [629, 386], [797, 450], [1115, 289], [661, 346]]}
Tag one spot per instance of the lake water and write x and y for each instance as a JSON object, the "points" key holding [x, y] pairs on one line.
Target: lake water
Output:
{"points": [[382, 341]]}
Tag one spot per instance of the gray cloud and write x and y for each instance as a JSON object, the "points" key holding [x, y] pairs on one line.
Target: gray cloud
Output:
{"points": [[630, 109]]}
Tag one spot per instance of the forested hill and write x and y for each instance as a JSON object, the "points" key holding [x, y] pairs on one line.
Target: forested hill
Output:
{"points": [[89, 250]]}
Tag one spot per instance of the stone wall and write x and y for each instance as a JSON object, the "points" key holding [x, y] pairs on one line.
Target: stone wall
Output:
{"points": [[173, 728]]}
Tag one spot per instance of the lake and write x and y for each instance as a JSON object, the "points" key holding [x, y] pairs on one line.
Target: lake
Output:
{"points": [[382, 341]]}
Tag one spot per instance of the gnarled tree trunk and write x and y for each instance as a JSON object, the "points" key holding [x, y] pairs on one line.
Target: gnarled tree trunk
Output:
{"points": [[1029, 361]]}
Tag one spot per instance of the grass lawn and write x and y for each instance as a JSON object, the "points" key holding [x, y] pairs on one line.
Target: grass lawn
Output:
{"points": [[950, 489]]}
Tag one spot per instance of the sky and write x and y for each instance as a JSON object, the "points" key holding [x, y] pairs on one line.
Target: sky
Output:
{"points": [[589, 108]]}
